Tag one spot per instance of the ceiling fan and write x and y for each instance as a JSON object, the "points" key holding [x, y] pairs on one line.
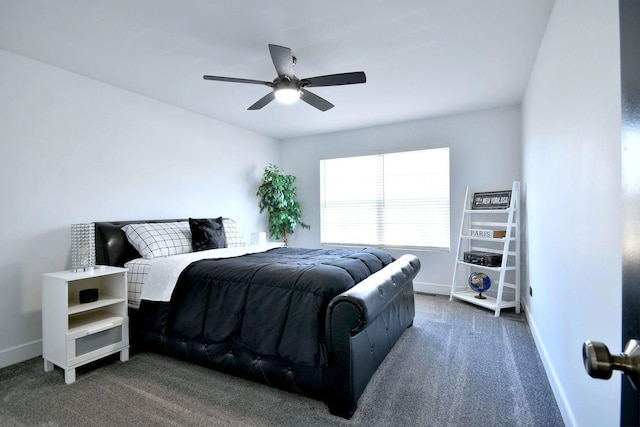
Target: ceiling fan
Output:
{"points": [[287, 88]]}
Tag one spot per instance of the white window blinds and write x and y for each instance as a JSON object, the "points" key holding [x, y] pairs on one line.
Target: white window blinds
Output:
{"points": [[396, 200]]}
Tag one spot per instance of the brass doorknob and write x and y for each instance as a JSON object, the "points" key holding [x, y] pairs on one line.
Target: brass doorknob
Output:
{"points": [[600, 363]]}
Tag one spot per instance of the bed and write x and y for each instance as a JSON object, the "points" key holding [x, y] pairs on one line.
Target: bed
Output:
{"points": [[317, 322]]}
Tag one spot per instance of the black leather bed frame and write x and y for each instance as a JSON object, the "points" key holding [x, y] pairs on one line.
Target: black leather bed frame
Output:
{"points": [[361, 327]]}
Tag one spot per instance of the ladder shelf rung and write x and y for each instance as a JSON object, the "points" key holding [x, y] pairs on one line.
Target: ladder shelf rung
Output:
{"points": [[490, 239], [489, 302], [491, 224], [497, 269], [489, 211], [492, 250]]}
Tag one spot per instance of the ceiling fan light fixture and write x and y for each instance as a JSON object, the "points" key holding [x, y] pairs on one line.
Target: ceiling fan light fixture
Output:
{"points": [[287, 95], [287, 88]]}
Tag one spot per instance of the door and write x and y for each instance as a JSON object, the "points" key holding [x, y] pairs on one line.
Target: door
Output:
{"points": [[598, 361], [629, 11]]}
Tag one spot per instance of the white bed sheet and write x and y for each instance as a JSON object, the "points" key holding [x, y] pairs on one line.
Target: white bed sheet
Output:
{"points": [[154, 279]]}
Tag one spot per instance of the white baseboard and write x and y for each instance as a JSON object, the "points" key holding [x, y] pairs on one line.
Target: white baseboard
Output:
{"points": [[431, 288], [558, 391], [20, 353]]}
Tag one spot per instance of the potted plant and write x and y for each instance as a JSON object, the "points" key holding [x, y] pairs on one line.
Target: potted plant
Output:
{"points": [[277, 194]]}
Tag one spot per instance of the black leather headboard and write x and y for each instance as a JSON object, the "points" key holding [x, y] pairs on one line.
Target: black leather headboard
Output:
{"points": [[112, 246]]}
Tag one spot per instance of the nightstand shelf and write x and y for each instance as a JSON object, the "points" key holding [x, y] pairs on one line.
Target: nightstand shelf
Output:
{"points": [[75, 306], [75, 333]]}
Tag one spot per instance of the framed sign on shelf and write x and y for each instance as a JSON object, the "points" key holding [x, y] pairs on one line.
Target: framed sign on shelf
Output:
{"points": [[491, 200]]}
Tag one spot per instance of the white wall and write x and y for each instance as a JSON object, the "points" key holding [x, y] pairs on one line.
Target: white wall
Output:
{"points": [[484, 152], [571, 168], [76, 150]]}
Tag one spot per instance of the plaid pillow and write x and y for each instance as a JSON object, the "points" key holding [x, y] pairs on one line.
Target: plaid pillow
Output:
{"points": [[161, 239], [232, 234]]}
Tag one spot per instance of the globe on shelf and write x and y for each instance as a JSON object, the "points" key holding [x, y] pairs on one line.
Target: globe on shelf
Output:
{"points": [[480, 283]]}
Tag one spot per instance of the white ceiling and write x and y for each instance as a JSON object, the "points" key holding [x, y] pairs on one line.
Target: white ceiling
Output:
{"points": [[423, 58]]}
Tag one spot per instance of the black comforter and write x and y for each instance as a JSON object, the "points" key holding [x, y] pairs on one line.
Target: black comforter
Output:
{"points": [[271, 304]]}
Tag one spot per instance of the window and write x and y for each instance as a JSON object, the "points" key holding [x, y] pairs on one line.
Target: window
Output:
{"points": [[387, 200]]}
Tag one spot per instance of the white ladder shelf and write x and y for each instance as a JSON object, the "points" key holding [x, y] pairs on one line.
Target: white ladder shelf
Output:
{"points": [[508, 273]]}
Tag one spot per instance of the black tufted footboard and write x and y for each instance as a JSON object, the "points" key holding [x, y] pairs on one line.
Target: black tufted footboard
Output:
{"points": [[363, 324]]}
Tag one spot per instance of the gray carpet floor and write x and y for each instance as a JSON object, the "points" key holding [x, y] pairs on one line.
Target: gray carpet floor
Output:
{"points": [[457, 366]]}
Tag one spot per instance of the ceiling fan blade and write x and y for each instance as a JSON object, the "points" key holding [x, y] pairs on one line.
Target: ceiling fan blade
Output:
{"points": [[335, 79], [236, 80], [262, 101], [315, 101], [282, 60]]}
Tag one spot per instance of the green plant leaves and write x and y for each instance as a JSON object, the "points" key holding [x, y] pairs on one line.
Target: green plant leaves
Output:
{"points": [[277, 194]]}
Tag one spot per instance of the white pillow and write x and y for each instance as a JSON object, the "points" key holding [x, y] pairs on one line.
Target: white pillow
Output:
{"points": [[160, 239], [232, 234]]}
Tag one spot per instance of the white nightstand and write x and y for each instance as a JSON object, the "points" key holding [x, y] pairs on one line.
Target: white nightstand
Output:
{"points": [[75, 333]]}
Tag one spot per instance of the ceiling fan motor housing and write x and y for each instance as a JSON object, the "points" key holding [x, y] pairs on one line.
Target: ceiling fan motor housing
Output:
{"points": [[285, 82]]}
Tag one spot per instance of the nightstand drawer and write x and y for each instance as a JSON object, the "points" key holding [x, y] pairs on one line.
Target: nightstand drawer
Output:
{"points": [[98, 340]]}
